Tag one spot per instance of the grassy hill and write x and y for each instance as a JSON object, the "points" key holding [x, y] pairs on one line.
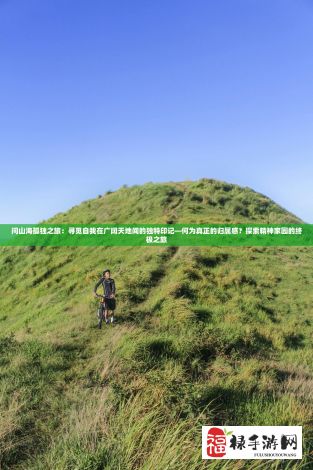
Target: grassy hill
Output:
{"points": [[204, 335]]}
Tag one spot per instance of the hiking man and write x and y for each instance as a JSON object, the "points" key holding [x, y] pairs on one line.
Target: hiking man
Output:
{"points": [[109, 295]]}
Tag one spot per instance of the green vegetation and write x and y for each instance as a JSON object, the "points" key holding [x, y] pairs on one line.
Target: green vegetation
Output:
{"points": [[204, 335]]}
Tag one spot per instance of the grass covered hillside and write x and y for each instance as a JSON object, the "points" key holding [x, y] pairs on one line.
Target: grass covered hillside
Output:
{"points": [[204, 335]]}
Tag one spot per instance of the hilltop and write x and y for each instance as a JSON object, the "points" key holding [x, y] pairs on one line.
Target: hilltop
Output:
{"points": [[204, 335], [180, 202]]}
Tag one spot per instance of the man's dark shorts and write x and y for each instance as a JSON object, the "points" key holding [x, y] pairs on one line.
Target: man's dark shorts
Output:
{"points": [[110, 304]]}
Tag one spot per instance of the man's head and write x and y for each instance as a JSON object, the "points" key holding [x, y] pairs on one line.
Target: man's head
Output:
{"points": [[106, 273]]}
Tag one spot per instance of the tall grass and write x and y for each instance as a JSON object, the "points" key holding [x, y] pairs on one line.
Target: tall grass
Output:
{"points": [[204, 336]]}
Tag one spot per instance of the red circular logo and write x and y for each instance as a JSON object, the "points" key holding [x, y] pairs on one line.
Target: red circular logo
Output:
{"points": [[216, 442]]}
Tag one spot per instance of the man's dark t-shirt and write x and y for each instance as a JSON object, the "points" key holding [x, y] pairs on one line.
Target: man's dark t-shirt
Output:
{"points": [[108, 286], [108, 289]]}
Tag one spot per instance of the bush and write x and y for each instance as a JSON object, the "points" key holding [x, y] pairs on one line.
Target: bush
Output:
{"points": [[170, 195], [222, 200], [196, 197], [239, 209]]}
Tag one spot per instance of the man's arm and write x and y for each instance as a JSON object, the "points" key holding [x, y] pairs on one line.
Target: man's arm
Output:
{"points": [[96, 287]]}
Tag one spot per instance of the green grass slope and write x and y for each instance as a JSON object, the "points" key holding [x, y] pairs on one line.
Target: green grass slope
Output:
{"points": [[204, 335]]}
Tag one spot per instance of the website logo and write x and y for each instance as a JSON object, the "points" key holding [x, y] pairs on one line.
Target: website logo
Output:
{"points": [[252, 442]]}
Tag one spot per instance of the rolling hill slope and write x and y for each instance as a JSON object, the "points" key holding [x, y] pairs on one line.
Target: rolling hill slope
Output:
{"points": [[204, 335]]}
